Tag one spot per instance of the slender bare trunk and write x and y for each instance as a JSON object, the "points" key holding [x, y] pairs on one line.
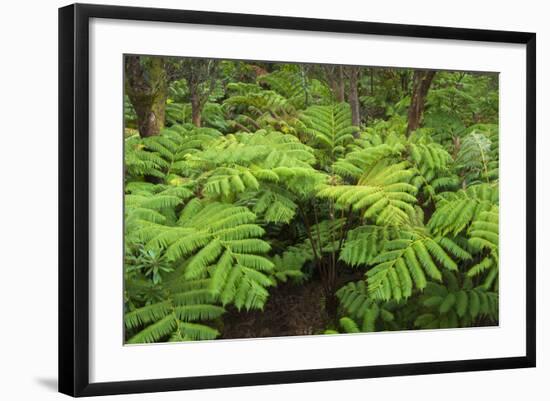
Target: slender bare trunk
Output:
{"points": [[354, 96], [341, 85], [196, 108], [421, 84]]}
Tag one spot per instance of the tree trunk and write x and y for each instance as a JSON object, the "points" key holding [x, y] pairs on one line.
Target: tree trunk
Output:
{"points": [[371, 82], [150, 115], [354, 96], [147, 88], [196, 107], [421, 84], [335, 78], [340, 97]]}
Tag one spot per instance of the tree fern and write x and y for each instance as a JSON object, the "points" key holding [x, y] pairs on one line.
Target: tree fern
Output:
{"points": [[268, 172], [292, 85], [383, 194], [433, 166], [218, 241], [364, 243], [139, 162], [395, 231], [289, 264], [160, 155], [359, 305], [356, 162], [484, 238], [185, 311], [456, 210], [452, 306], [409, 261], [273, 204], [330, 127], [474, 157], [152, 203], [259, 104]]}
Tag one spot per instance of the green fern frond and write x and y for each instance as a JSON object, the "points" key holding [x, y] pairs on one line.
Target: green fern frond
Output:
{"points": [[484, 239], [289, 264], [155, 332], [329, 126], [348, 325], [364, 243], [456, 211], [195, 331], [275, 205], [406, 263], [147, 314], [446, 308], [257, 103], [216, 240], [475, 156], [357, 162], [383, 195], [187, 304], [291, 85], [188, 313]]}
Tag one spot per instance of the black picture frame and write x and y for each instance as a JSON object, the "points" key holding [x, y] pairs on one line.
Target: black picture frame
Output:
{"points": [[74, 198]]}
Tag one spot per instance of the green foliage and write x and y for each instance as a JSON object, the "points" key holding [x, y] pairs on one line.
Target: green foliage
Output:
{"points": [[409, 261], [383, 194], [289, 265], [220, 242], [279, 188], [357, 304], [213, 115], [452, 306], [483, 238], [329, 127], [184, 305], [364, 243], [456, 210]]}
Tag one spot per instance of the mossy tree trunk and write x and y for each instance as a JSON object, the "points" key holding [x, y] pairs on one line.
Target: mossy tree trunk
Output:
{"points": [[147, 88]]}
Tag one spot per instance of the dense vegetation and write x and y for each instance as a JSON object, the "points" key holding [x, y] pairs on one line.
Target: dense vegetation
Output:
{"points": [[250, 184]]}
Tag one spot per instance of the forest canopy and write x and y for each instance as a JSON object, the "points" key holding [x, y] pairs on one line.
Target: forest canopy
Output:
{"points": [[271, 199]]}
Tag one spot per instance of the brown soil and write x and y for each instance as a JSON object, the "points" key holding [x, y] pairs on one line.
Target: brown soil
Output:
{"points": [[291, 310]]}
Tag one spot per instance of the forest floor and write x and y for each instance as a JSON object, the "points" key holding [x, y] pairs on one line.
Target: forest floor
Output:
{"points": [[291, 310]]}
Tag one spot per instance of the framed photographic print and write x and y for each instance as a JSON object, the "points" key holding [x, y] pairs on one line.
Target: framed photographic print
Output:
{"points": [[249, 199]]}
